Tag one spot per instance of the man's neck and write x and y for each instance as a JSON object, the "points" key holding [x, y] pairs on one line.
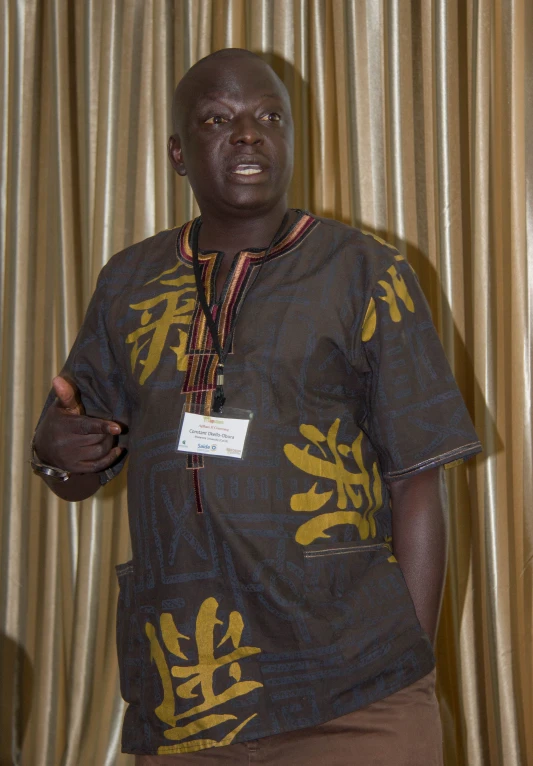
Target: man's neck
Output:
{"points": [[232, 235]]}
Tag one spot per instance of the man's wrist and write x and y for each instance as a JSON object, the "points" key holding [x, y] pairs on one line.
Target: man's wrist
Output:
{"points": [[45, 470]]}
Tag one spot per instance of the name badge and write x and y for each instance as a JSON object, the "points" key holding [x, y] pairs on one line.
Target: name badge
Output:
{"points": [[216, 435]]}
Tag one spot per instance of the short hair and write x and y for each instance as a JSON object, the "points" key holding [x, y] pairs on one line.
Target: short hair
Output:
{"points": [[223, 53]]}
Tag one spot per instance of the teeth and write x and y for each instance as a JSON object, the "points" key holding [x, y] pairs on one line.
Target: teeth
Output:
{"points": [[248, 171]]}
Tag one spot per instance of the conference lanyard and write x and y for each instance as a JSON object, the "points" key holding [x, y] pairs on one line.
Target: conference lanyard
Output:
{"points": [[222, 352]]}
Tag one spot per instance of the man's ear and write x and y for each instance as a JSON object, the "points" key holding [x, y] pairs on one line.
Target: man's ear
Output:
{"points": [[175, 155]]}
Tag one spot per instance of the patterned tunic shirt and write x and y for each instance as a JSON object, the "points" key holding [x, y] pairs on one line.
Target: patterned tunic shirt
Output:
{"points": [[262, 595]]}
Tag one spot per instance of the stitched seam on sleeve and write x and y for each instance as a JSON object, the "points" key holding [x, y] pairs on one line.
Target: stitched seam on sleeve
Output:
{"points": [[466, 449]]}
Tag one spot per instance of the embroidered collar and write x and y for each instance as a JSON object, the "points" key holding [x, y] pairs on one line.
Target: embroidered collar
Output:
{"points": [[296, 233]]}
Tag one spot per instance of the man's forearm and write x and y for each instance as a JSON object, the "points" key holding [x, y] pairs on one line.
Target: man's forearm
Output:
{"points": [[420, 541], [78, 487]]}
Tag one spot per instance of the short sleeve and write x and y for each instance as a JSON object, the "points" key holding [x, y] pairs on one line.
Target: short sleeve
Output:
{"points": [[416, 417], [93, 366]]}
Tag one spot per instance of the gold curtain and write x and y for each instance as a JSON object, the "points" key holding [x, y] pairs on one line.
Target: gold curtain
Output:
{"points": [[411, 122]]}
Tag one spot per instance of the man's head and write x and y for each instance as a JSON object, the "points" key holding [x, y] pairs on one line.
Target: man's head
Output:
{"points": [[233, 133]]}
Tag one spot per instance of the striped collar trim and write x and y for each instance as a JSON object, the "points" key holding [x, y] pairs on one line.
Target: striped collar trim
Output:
{"points": [[302, 226]]}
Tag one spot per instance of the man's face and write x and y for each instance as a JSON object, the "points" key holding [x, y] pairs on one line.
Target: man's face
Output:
{"points": [[235, 139]]}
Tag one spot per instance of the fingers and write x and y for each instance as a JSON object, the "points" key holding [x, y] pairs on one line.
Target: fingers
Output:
{"points": [[68, 399], [79, 457], [68, 438], [98, 464], [86, 444], [67, 395], [86, 425], [91, 439]]}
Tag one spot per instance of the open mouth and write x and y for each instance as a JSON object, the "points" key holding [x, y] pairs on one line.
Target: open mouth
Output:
{"points": [[247, 170]]}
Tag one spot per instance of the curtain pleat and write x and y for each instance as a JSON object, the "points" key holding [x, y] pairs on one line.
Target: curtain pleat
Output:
{"points": [[412, 121]]}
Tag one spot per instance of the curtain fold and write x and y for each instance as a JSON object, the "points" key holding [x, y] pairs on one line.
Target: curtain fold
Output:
{"points": [[412, 121]]}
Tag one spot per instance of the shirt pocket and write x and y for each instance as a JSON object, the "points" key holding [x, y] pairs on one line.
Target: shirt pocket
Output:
{"points": [[129, 637], [360, 597], [333, 549], [333, 567]]}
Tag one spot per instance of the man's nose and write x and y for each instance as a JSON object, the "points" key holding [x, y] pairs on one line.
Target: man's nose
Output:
{"points": [[246, 131]]}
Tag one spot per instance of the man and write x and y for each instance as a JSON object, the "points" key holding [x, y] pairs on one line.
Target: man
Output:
{"points": [[282, 600]]}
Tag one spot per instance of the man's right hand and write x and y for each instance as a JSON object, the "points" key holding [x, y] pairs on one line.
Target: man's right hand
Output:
{"points": [[67, 438]]}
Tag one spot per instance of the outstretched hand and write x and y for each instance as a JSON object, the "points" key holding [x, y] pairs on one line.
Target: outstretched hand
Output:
{"points": [[67, 438]]}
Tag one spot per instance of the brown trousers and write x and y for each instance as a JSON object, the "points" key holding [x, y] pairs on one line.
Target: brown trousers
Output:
{"points": [[403, 729]]}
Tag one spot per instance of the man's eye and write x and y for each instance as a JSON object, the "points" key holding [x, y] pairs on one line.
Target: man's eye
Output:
{"points": [[272, 117], [217, 119]]}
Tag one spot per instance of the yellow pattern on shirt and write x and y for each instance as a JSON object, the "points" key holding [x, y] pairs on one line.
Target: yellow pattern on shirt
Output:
{"points": [[198, 677], [352, 488], [394, 290], [150, 338]]}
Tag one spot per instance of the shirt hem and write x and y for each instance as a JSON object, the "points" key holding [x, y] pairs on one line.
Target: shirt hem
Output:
{"points": [[424, 669]]}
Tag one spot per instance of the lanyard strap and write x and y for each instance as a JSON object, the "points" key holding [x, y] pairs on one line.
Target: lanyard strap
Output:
{"points": [[222, 353]]}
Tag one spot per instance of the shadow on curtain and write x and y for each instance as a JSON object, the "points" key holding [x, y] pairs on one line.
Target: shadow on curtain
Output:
{"points": [[411, 123]]}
